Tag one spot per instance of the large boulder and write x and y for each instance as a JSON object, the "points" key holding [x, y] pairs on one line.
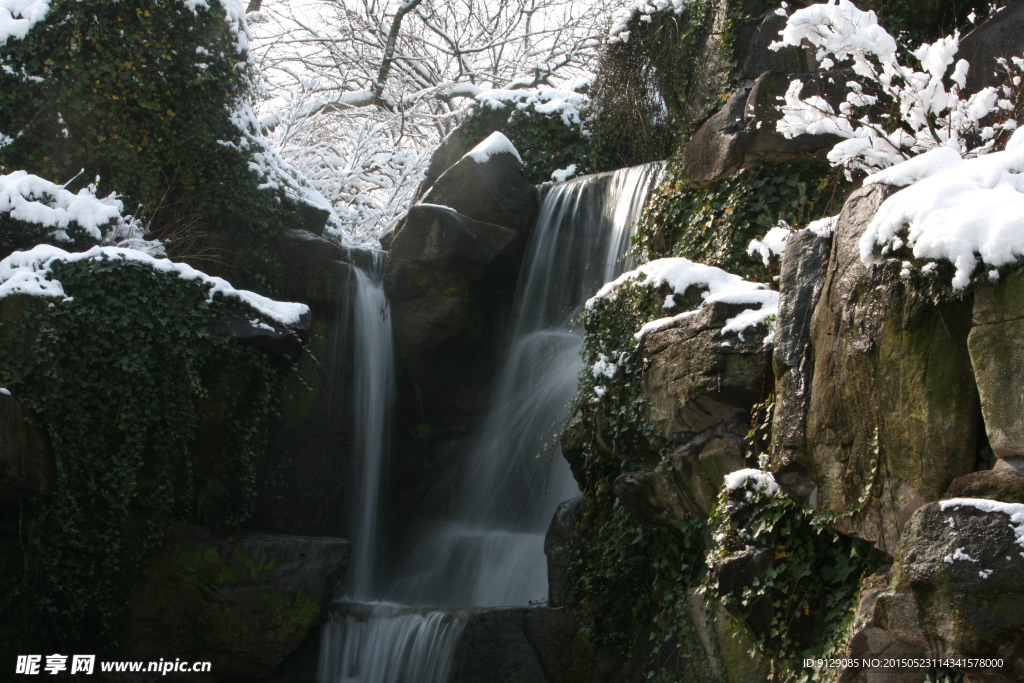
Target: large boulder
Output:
{"points": [[996, 344], [743, 131], [1004, 484], [1002, 35], [893, 416], [800, 280], [700, 385], [758, 57], [493, 191], [27, 467], [515, 645], [957, 585], [457, 143], [561, 533], [242, 602]]}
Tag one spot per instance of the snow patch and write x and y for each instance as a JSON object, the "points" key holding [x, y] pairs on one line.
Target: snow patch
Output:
{"points": [[1015, 511], [958, 555], [563, 174], [680, 274], [772, 244], [761, 480], [28, 272], [563, 99], [495, 143], [17, 17], [953, 209], [645, 10]]}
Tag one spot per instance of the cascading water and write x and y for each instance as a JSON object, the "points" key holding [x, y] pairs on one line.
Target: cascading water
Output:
{"points": [[490, 551]]}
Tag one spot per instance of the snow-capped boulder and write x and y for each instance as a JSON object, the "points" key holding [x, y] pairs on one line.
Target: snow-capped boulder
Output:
{"points": [[26, 462], [893, 416], [957, 584], [487, 185], [996, 343]]}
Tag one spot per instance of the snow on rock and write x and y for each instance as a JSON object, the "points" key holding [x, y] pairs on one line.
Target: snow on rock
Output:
{"points": [[17, 17], [28, 272], [5, 392], [29, 198], [959, 555], [761, 480], [681, 273], [1015, 511], [952, 208], [563, 99], [563, 174], [772, 244], [823, 227], [495, 143], [645, 9]]}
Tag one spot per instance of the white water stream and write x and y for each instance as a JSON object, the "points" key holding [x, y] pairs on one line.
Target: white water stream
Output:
{"points": [[490, 551]]}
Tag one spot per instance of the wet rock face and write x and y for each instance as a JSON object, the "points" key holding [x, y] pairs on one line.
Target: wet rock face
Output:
{"points": [[515, 644], [560, 535], [996, 345], [27, 467], [893, 416], [243, 602], [309, 446], [957, 585]]}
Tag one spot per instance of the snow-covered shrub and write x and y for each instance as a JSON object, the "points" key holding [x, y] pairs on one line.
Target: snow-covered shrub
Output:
{"points": [[33, 210], [149, 96], [892, 111], [154, 420]]}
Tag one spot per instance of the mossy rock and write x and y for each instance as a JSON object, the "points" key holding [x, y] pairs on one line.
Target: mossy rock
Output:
{"points": [[242, 602]]}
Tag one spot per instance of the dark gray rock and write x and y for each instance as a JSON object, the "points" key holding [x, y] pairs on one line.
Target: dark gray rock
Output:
{"points": [[644, 495], [303, 216], [1002, 35], [1006, 485], [956, 587], [244, 602], [442, 238], [894, 414], [698, 378], [493, 192], [996, 343], [267, 336], [743, 132], [515, 645], [456, 144], [27, 466], [561, 533], [573, 441], [309, 444], [800, 281], [758, 59]]}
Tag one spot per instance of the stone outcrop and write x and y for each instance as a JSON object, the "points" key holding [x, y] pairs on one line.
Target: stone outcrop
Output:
{"points": [[955, 589], [515, 645], [493, 192], [309, 446], [893, 416], [242, 602], [701, 386], [561, 532], [800, 280], [743, 131], [996, 343], [27, 467], [1001, 35]]}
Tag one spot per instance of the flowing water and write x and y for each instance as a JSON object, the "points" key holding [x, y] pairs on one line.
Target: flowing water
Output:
{"points": [[490, 551]]}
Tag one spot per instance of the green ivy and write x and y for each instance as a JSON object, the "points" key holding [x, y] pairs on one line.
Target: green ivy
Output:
{"points": [[715, 225], [118, 90], [810, 590], [153, 417]]}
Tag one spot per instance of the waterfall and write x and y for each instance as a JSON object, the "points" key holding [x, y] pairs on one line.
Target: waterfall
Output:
{"points": [[490, 550], [372, 399]]}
